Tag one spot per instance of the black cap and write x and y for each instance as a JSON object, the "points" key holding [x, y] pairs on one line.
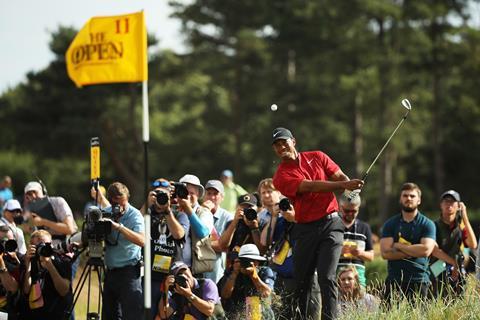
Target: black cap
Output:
{"points": [[451, 193], [281, 133], [248, 199]]}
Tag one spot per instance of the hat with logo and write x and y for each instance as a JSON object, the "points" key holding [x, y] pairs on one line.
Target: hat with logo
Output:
{"points": [[248, 199], [281, 133], [177, 266], [450, 193], [33, 186], [250, 251], [12, 205], [190, 178], [215, 184]]}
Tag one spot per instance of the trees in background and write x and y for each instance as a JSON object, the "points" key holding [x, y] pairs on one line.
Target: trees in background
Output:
{"points": [[336, 69]]}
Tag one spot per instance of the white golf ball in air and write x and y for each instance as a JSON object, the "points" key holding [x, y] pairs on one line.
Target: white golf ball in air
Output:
{"points": [[274, 107]]}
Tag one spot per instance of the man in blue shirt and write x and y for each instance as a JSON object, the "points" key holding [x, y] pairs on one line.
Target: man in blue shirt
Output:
{"points": [[407, 240], [122, 292]]}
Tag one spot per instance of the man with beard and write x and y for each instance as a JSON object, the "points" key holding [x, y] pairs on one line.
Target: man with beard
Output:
{"points": [[407, 240], [357, 239]]}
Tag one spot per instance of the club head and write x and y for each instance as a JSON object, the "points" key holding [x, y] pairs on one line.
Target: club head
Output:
{"points": [[406, 104]]}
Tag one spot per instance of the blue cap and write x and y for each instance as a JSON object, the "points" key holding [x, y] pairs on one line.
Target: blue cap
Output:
{"points": [[227, 173]]}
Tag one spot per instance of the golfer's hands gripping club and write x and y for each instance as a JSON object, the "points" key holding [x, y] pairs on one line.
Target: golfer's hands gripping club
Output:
{"points": [[353, 188]]}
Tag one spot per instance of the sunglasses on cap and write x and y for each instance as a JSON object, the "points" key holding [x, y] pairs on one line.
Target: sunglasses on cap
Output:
{"points": [[164, 184]]}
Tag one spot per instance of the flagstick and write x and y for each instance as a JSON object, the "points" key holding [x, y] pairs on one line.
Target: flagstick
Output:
{"points": [[146, 256]]}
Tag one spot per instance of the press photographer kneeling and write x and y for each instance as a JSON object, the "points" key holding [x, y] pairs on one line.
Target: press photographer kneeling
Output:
{"points": [[188, 298], [47, 279]]}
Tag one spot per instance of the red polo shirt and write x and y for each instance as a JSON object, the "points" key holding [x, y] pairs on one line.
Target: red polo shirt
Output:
{"points": [[312, 165]]}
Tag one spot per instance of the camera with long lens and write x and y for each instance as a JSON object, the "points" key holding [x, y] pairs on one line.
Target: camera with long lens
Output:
{"points": [[250, 214], [245, 263], [180, 190], [44, 249], [8, 246], [284, 204]]}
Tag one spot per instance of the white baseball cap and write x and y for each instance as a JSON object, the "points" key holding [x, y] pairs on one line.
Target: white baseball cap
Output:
{"points": [[12, 205], [33, 186]]}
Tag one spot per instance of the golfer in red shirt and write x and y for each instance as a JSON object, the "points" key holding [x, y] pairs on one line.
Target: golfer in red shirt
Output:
{"points": [[309, 180]]}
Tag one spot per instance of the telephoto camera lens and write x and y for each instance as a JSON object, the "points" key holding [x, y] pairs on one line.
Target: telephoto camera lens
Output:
{"points": [[250, 214], [180, 190], [8, 246], [44, 249], [284, 204], [162, 197]]}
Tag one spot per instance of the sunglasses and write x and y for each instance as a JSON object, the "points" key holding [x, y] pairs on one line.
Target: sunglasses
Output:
{"points": [[349, 210], [164, 184], [16, 211]]}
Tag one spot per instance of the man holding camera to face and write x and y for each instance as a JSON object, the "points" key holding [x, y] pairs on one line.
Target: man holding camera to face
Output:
{"points": [[244, 228], [246, 287], [187, 297], [122, 292], [46, 280], [169, 231], [12, 213]]}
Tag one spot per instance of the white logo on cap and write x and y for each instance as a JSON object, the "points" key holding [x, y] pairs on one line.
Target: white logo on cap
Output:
{"points": [[276, 133]]}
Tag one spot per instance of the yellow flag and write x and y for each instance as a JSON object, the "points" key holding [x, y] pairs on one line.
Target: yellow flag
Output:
{"points": [[109, 49]]}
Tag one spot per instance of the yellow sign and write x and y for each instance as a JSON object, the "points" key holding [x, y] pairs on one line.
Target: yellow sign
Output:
{"points": [[95, 159], [109, 49]]}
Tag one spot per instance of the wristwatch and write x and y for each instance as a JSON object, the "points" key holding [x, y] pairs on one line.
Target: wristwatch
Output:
{"points": [[192, 298]]}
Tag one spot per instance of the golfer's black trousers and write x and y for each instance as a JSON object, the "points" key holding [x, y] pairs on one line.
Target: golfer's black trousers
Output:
{"points": [[318, 246]]}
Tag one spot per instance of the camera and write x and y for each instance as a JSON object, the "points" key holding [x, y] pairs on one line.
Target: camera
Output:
{"points": [[245, 262], [8, 246], [95, 230], [19, 219], [284, 204], [180, 190], [162, 197], [181, 280], [250, 214], [44, 249]]}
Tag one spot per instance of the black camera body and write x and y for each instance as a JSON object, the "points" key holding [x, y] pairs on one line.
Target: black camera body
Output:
{"points": [[181, 280], [284, 204], [8, 246], [246, 262], [250, 214], [44, 249], [180, 190]]}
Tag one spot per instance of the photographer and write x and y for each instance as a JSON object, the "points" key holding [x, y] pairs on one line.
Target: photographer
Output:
{"points": [[50, 213], [122, 292], [10, 271], [453, 233], [12, 211], [242, 229], [46, 280], [169, 229], [201, 219], [246, 288], [188, 298]]}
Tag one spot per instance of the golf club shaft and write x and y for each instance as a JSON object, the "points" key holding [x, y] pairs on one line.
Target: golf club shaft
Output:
{"points": [[385, 145]]}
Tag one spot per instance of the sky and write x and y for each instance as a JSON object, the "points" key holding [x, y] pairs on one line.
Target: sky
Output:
{"points": [[26, 25]]}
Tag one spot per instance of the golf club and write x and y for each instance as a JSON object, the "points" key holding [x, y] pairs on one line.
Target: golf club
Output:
{"points": [[408, 106]]}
